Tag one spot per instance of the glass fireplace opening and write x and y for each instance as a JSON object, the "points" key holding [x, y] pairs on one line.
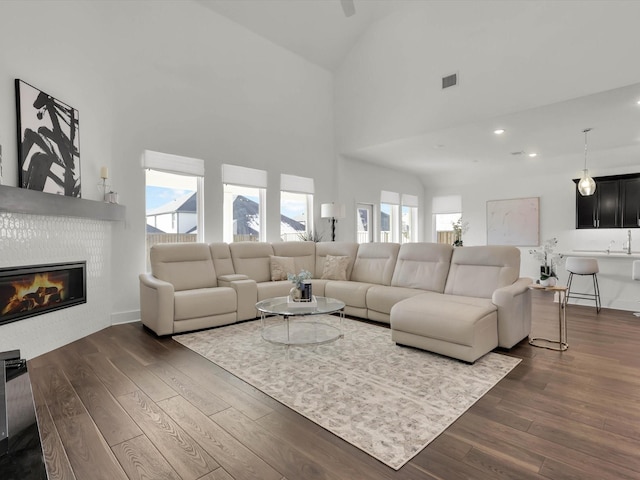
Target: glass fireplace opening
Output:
{"points": [[37, 289]]}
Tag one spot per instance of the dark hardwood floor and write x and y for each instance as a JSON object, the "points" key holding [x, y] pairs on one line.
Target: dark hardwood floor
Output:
{"points": [[123, 403]]}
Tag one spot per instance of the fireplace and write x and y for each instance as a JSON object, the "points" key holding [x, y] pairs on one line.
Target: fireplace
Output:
{"points": [[33, 290]]}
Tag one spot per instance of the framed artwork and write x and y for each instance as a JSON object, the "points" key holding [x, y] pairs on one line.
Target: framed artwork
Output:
{"points": [[48, 142], [513, 222]]}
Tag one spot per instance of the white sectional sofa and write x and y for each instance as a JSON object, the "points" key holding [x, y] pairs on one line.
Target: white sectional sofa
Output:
{"points": [[460, 302]]}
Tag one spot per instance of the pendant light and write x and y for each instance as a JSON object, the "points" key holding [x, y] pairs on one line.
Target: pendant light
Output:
{"points": [[586, 185]]}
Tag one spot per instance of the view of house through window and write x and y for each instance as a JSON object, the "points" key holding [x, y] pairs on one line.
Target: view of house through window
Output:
{"points": [[171, 208], [444, 226], [295, 221], [242, 213], [364, 223], [409, 224]]}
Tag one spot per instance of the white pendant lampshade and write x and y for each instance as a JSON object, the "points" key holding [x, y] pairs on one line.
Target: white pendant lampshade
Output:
{"points": [[586, 185]]}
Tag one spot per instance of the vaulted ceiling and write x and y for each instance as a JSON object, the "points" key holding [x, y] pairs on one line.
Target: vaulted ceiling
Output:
{"points": [[542, 70]]}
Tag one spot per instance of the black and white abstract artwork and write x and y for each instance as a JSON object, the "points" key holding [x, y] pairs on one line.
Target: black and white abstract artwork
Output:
{"points": [[48, 142]]}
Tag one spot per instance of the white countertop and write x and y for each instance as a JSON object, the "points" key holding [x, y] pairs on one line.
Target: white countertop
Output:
{"points": [[617, 254]]}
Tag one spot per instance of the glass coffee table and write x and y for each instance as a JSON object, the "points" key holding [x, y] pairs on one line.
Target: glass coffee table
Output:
{"points": [[300, 324]]}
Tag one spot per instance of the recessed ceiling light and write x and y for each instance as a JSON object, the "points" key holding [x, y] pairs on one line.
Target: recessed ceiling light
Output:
{"points": [[533, 155], [499, 131], [638, 102]]}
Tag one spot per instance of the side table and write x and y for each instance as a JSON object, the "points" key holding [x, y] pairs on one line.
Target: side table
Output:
{"points": [[561, 344]]}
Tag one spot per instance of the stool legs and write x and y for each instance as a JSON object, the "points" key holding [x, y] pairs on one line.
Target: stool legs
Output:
{"points": [[586, 296]]}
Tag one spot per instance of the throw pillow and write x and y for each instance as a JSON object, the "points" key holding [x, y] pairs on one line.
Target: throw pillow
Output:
{"points": [[281, 266], [335, 267]]}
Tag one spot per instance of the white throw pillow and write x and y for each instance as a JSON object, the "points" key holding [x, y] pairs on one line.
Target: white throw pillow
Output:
{"points": [[280, 267], [335, 267]]}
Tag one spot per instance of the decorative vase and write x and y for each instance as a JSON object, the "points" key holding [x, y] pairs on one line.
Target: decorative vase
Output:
{"points": [[296, 294], [548, 282]]}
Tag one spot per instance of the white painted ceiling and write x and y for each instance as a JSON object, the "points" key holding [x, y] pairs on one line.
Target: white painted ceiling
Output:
{"points": [[318, 31]]}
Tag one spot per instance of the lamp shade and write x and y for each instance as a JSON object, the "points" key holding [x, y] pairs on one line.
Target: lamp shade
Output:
{"points": [[586, 185], [332, 210]]}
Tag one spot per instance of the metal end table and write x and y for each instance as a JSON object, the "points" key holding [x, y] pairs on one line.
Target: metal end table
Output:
{"points": [[561, 344]]}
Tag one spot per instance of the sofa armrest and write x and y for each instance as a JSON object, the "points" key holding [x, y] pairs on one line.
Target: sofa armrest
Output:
{"points": [[225, 280], [156, 304], [514, 312], [247, 294]]}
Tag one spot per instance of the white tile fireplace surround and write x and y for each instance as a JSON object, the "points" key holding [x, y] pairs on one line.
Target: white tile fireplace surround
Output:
{"points": [[27, 239]]}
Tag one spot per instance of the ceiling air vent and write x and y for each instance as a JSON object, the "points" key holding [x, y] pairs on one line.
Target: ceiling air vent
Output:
{"points": [[450, 81]]}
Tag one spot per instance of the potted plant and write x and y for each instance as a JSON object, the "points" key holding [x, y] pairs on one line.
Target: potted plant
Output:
{"points": [[545, 255], [297, 280], [459, 227]]}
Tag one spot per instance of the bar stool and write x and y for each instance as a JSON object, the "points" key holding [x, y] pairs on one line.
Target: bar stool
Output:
{"points": [[583, 266], [635, 275]]}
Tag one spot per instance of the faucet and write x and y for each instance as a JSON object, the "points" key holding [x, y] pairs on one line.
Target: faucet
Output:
{"points": [[610, 245], [629, 242]]}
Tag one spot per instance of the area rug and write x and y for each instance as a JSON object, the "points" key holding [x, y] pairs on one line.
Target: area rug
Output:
{"points": [[387, 400]]}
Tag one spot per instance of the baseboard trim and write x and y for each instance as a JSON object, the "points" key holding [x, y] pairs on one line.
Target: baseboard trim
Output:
{"points": [[125, 317]]}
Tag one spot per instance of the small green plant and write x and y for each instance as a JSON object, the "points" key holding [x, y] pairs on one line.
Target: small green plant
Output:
{"points": [[299, 278]]}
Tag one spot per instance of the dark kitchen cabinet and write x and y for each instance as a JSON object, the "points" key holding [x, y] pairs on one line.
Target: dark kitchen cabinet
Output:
{"points": [[615, 204], [630, 194]]}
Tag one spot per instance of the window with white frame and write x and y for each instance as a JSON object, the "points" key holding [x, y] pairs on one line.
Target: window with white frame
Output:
{"points": [[243, 204], [409, 218], [296, 208], [173, 199], [446, 210], [389, 216], [364, 223]]}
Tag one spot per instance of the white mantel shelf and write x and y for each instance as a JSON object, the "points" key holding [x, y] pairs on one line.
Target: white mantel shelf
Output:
{"points": [[22, 200]]}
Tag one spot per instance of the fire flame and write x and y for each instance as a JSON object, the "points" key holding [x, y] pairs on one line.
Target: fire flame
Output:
{"points": [[41, 291]]}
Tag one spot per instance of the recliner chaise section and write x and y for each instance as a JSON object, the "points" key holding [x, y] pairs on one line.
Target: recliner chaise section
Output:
{"points": [[459, 302]]}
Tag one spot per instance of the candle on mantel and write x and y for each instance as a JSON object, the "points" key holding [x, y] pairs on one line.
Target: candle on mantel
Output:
{"points": [[104, 173]]}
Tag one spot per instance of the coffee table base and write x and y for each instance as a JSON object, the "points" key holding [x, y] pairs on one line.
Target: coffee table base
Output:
{"points": [[300, 332]]}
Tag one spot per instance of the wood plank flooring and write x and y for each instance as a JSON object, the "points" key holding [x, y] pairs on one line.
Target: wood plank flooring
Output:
{"points": [[124, 404]]}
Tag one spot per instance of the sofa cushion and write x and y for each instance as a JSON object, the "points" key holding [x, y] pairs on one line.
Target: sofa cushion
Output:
{"points": [[221, 255], [281, 267], [448, 318], [382, 298], [184, 265], [335, 267], [303, 254], [479, 271], [422, 265], [375, 263], [348, 249], [279, 288], [204, 302], [353, 294], [252, 259]]}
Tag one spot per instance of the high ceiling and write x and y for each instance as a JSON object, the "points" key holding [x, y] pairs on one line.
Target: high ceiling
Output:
{"points": [[318, 31]]}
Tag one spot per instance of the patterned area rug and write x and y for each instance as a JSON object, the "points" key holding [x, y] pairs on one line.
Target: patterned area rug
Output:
{"points": [[387, 400]]}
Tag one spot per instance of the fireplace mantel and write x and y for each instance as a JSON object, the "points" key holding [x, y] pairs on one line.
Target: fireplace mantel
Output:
{"points": [[22, 200]]}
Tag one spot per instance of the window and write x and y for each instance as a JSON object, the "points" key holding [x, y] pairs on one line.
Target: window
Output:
{"points": [[364, 223], [296, 208], [389, 216], [446, 211], [444, 227], [244, 204], [409, 219], [173, 195]]}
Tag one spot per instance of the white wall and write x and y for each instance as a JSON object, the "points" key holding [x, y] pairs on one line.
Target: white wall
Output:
{"points": [[173, 77], [362, 182], [557, 219]]}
